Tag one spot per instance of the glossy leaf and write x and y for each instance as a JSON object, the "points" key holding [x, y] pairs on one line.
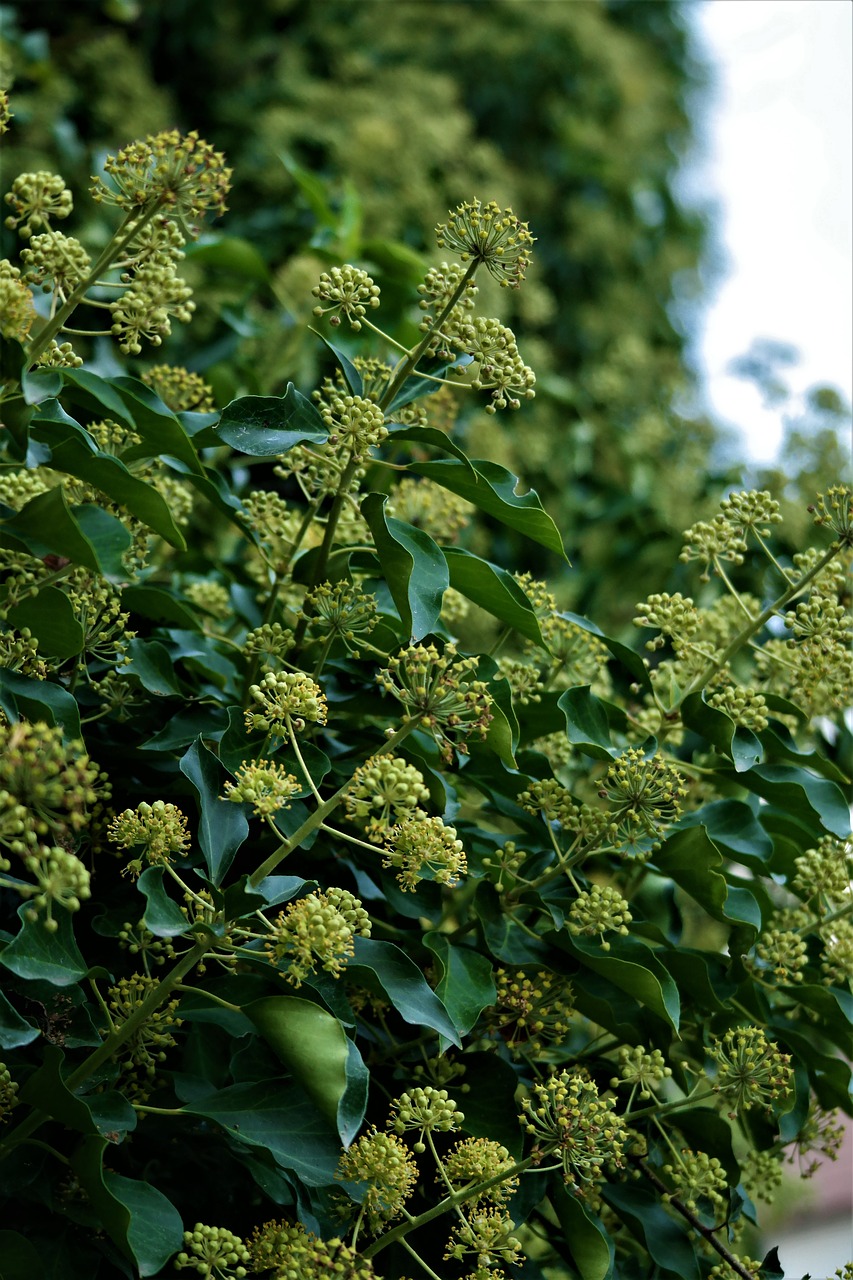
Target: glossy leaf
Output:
{"points": [[404, 985], [36, 954], [692, 859], [273, 1115], [161, 430], [51, 618], [151, 664], [316, 1050], [15, 1031], [138, 1218], [100, 1114], [488, 1103], [590, 1245], [633, 967], [163, 917], [160, 605], [414, 567], [646, 1218], [493, 490], [24, 696], [351, 375], [816, 801], [20, 1259], [264, 426], [47, 525], [740, 745], [466, 986], [431, 436], [734, 827], [587, 725], [222, 824], [494, 590]]}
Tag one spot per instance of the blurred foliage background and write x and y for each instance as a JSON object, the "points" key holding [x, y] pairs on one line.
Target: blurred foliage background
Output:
{"points": [[352, 126]]}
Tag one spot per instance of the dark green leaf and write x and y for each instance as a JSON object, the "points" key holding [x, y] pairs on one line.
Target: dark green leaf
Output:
{"points": [[413, 565], [160, 605], [15, 1031], [51, 619], [39, 385], [222, 824], [503, 732], [494, 590], [415, 387], [160, 429], [100, 1114], [138, 1218], [74, 452], [431, 436], [403, 984], [467, 986], [589, 1244], [314, 1047], [586, 723], [274, 1115], [740, 745], [644, 1215], [97, 394], [151, 663], [502, 935], [734, 827], [692, 860], [493, 490], [779, 744], [20, 1260], [264, 426], [352, 377], [488, 1102], [633, 967], [36, 954], [38, 700], [814, 801], [46, 525], [162, 916]]}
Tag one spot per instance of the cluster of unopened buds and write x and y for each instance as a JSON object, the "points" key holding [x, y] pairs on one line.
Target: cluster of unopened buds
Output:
{"points": [[317, 931]]}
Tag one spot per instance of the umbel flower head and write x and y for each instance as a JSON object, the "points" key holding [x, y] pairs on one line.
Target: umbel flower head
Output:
{"points": [[213, 1251], [426, 1110], [317, 930], [490, 236], [436, 688], [61, 880], [53, 782], [697, 1176], [487, 1234], [751, 1072], [475, 1160], [178, 173], [347, 291], [383, 791], [645, 797], [282, 697], [568, 1120], [384, 1163], [530, 1013], [288, 1251], [266, 786], [421, 848], [158, 830], [597, 912], [35, 199]]}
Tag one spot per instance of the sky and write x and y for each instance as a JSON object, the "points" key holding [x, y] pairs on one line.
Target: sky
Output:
{"points": [[776, 164]]}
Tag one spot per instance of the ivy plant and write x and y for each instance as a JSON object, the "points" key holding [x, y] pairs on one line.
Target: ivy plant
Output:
{"points": [[336, 943]]}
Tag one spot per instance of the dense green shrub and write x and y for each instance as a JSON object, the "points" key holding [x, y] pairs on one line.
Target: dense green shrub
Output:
{"points": [[334, 944]]}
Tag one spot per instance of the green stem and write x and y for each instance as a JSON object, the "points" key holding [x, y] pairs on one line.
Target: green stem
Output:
{"points": [[419, 1260], [156, 996], [208, 995], [318, 817], [449, 1202], [406, 366], [135, 222], [707, 1233], [306, 773], [743, 637], [321, 563], [664, 1108]]}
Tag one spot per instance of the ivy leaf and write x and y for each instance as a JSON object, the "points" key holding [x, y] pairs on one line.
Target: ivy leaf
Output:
{"points": [[691, 859], [352, 377], [494, 590], [493, 490], [502, 936], [646, 1218], [404, 985], [86, 535], [51, 618], [431, 436], [161, 430], [264, 426], [488, 1103], [159, 604], [232, 254], [740, 745], [73, 451], [734, 827], [587, 725], [817, 802], [162, 917], [466, 986], [222, 825], [24, 696], [20, 1259], [315, 1048], [52, 957], [633, 967], [415, 387], [413, 565], [138, 1218], [590, 1246], [99, 1114], [273, 1115], [151, 664], [15, 1031]]}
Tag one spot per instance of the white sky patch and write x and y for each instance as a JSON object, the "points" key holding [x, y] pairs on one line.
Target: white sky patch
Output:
{"points": [[777, 161]]}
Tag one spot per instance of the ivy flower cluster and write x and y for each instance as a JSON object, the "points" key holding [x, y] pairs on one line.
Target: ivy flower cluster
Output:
{"points": [[530, 1013], [423, 848], [317, 930], [346, 291], [385, 1165], [178, 173], [490, 236], [476, 1160], [641, 1069], [35, 200], [159, 831], [383, 792], [751, 1071], [282, 698], [600, 910], [695, 1177], [263, 784], [354, 423], [645, 797], [213, 1251], [287, 1250], [437, 689], [568, 1119], [426, 1110]]}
